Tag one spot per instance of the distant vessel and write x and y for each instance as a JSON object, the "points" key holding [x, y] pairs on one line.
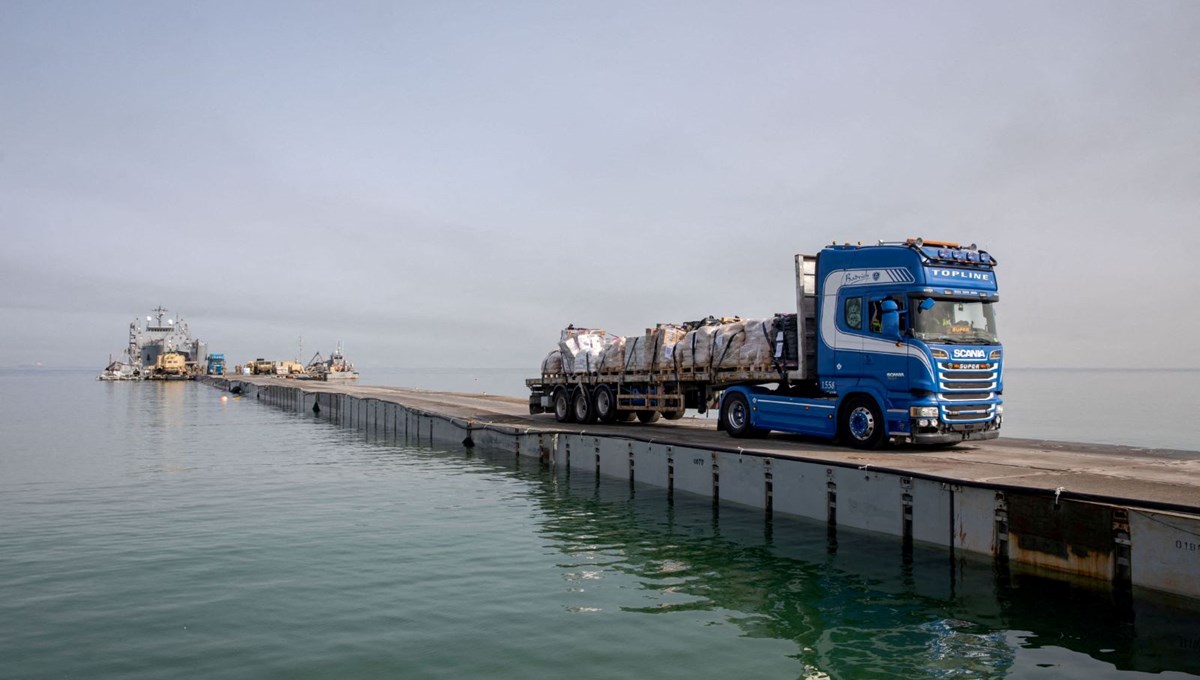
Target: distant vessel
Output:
{"points": [[334, 368], [158, 336]]}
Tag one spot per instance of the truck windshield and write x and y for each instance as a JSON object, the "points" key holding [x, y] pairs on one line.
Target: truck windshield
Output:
{"points": [[965, 321]]}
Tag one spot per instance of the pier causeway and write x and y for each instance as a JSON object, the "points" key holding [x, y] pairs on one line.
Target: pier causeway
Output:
{"points": [[1123, 515]]}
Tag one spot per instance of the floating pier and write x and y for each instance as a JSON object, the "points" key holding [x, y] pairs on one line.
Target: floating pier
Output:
{"points": [[1126, 516]]}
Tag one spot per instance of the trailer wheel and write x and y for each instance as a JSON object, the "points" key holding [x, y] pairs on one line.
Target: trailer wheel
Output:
{"points": [[673, 415], [648, 417], [582, 407], [562, 406], [735, 417], [626, 416], [862, 424], [606, 404]]}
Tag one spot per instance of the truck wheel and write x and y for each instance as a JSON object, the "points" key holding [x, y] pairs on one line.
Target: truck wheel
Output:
{"points": [[673, 415], [735, 416], [582, 407], [626, 416], [648, 417], [562, 406], [606, 403], [862, 424]]}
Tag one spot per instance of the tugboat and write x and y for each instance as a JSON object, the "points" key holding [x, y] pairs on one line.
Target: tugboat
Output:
{"points": [[158, 336]]}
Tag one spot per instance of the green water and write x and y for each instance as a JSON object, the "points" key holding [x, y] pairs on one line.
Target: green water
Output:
{"points": [[160, 531]]}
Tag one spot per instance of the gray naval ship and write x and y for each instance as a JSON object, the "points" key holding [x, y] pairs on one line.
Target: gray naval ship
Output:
{"points": [[161, 348]]}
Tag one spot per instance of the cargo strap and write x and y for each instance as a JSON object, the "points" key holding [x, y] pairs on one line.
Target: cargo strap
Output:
{"points": [[724, 351], [771, 346], [630, 349]]}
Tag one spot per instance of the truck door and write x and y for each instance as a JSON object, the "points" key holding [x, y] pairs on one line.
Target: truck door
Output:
{"points": [[884, 359], [852, 322]]}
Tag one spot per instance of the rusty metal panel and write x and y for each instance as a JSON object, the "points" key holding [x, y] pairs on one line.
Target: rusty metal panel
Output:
{"points": [[799, 488], [1166, 551], [1063, 535], [868, 500], [931, 512], [742, 479], [974, 519]]}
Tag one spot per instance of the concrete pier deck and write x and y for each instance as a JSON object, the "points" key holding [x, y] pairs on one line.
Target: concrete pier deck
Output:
{"points": [[1125, 515]]}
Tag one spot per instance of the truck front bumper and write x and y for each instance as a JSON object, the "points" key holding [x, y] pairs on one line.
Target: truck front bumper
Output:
{"points": [[952, 437]]}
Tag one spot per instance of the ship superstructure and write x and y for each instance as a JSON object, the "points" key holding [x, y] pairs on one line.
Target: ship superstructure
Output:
{"points": [[157, 336]]}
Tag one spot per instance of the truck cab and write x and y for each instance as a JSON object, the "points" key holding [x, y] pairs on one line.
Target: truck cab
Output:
{"points": [[905, 348]]}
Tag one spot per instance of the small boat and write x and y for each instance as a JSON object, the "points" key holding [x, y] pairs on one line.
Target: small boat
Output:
{"points": [[335, 368]]}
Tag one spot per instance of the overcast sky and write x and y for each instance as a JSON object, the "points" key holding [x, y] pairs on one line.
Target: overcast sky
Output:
{"points": [[450, 183]]}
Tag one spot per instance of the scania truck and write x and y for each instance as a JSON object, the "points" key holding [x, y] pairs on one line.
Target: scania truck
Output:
{"points": [[890, 342]]}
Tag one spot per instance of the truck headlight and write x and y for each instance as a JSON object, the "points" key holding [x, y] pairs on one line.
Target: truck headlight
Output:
{"points": [[999, 409], [923, 412]]}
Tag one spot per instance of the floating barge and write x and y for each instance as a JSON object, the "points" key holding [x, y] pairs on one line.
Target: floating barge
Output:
{"points": [[1126, 516]]}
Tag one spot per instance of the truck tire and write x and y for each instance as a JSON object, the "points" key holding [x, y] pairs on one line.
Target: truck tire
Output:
{"points": [[673, 415], [625, 416], [648, 417], [582, 407], [605, 402], [735, 417], [862, 425], [562, 406]]}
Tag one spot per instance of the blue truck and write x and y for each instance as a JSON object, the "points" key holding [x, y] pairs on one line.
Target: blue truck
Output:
{"points": [[893, 342], [216, 364]]}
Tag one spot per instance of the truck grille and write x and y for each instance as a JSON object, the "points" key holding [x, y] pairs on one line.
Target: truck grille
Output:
{"points": [[959, 377], [967, 396], [968, 412], [968, 390]]}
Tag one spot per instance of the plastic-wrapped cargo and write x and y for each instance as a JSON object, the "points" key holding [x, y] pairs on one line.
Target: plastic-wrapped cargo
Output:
{"points": [[581, 348], [742, 344], [655, 350], [552, 364], [727, 346], [694, 352], [713, 344], [612, 359], [758, 344]]}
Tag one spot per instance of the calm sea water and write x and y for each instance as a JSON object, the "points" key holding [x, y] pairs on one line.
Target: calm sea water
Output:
{"points": [[161, 531]]}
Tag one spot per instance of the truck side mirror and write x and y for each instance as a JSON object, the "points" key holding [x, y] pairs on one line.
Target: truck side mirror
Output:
{"points": [[927, 304], [889, 322]]}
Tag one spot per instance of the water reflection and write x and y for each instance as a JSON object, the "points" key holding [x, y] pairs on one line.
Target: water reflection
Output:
{"points": [[860, 605]]}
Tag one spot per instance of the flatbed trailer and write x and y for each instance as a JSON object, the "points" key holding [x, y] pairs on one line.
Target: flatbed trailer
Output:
{"points": [[665, 393]]}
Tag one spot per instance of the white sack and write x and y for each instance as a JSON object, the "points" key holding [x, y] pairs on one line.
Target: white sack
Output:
{"points": [[581, 349]]}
